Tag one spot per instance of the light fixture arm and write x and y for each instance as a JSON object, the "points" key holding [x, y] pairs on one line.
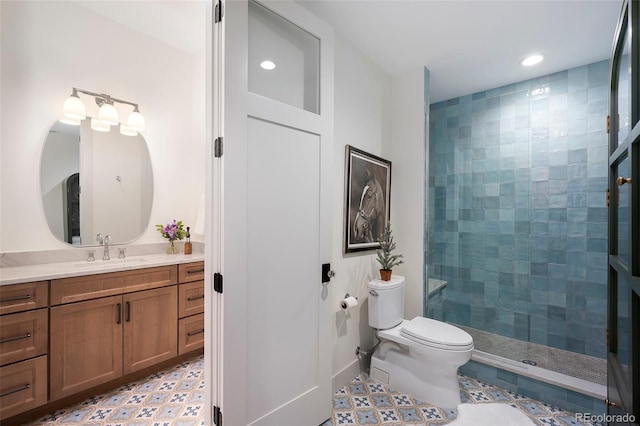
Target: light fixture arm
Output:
{"points": [[102, 99]]}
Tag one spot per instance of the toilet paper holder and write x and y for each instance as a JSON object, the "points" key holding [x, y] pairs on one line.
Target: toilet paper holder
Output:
{"points": [[348, 302]]}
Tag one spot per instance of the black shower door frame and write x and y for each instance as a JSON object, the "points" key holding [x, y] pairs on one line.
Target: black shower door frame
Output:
{"points": [[623, 332]]}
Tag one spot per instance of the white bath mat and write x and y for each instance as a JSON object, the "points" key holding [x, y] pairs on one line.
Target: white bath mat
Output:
{"points": [[490, 414]]}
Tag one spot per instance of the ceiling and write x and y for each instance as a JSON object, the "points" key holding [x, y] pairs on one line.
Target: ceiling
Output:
{"points": [[468, 45], [474, 45]]}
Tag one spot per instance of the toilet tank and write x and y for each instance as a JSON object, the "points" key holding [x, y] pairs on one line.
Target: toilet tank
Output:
{"points": [[386, 302]]}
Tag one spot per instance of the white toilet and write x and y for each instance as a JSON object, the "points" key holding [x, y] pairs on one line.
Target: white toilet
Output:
{"points": [[418, 357]]}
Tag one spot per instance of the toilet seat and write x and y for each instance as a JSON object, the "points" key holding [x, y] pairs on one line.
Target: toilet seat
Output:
{"points": [[436, 334]]}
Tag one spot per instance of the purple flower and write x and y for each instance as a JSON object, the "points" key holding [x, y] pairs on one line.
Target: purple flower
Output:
{"points": [[172, 231]]}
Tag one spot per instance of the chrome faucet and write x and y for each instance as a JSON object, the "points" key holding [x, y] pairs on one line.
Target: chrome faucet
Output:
{"points": [[107, 241]]}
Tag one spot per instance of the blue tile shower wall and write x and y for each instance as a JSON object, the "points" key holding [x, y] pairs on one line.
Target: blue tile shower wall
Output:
{"points": [[517, 219]]}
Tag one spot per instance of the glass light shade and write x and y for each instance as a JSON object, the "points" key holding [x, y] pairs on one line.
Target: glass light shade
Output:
{"points": [[99, 125], [74, 108], [136, 121], [127, 131], [108, 114], [71, 121]]}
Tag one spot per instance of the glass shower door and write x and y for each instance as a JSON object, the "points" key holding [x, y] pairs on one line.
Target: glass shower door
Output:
{"points": [[623, 196]]}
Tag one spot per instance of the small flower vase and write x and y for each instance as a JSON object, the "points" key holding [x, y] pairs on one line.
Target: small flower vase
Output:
{"points": [[172, 249]]}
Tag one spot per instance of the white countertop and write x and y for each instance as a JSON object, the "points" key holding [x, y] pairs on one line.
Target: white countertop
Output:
{"points": [[49, 271]]}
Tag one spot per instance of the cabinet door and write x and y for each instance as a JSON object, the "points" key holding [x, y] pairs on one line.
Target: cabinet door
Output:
{"points": [[150, 327], [86, 345]]}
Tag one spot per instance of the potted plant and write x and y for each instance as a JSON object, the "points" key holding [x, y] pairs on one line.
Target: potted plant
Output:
{"points": [[385, 258]]}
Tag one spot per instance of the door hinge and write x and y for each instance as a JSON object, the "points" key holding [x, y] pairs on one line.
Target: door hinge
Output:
{"points": [[217, 416], [218, 13], [217, 282], [608, 199], [606, 338], [608, 124], [218, 147]]}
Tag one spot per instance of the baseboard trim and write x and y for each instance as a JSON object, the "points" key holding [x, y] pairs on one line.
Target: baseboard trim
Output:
{"points": [[344, 376]]}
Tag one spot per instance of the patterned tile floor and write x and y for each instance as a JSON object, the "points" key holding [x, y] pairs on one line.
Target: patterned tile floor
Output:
{"points": [[174, 397], [366, 402]]}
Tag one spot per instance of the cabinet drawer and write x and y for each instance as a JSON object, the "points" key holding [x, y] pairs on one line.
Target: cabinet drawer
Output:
{"points": [[188, 272], [67, 290], [190, 333], [23, 297], [23, 335], [191, 299], [23, 386]]}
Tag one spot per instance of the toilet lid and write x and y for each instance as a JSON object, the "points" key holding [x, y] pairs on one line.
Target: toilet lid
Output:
{"points": [[438, 333]]}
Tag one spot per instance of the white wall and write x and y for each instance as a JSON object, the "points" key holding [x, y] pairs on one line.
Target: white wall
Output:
{"points": [[385, 116], [407, 151], [49, 47], [362, 119]]}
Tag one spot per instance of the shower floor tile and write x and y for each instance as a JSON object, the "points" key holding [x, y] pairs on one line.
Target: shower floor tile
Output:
{"points": [[175, 397], [572, 364]]}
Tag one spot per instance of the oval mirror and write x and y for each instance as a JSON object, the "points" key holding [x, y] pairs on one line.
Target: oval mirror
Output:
{"points": [[95, 183]]}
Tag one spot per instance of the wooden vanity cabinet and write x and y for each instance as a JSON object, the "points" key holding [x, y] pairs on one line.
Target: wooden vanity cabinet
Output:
{"points": [[98, 340], [191, 307], [24, 341], [63, 339]]}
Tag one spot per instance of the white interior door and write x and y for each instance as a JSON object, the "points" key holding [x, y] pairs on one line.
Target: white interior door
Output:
{"points": [[278, 126]]}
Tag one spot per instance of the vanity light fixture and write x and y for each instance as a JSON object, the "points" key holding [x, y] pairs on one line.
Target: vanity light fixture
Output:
{"points": [[107, 112], [99, 125], [136, 121], [127, 130], [74, 112], [71, 121], [73, 109]]}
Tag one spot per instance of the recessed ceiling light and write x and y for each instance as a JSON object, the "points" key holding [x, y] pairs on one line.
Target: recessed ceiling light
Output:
{"points": [[532, 60], [267, 65]]}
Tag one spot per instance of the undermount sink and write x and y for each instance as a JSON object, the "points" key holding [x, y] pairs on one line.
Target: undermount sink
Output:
{"points": [[99, 263]]}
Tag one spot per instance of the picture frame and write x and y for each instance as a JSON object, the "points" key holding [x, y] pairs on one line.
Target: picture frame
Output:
{"points": [[367, 199]]}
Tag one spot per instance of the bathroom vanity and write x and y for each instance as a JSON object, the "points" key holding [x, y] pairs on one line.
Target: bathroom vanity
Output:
{"points": [[79, 330]]}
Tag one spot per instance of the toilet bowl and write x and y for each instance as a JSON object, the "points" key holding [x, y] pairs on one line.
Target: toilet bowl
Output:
{"points": [[419, 357]]}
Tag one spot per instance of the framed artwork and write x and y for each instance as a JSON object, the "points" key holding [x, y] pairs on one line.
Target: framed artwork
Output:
{"points": [[367, 199]]}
